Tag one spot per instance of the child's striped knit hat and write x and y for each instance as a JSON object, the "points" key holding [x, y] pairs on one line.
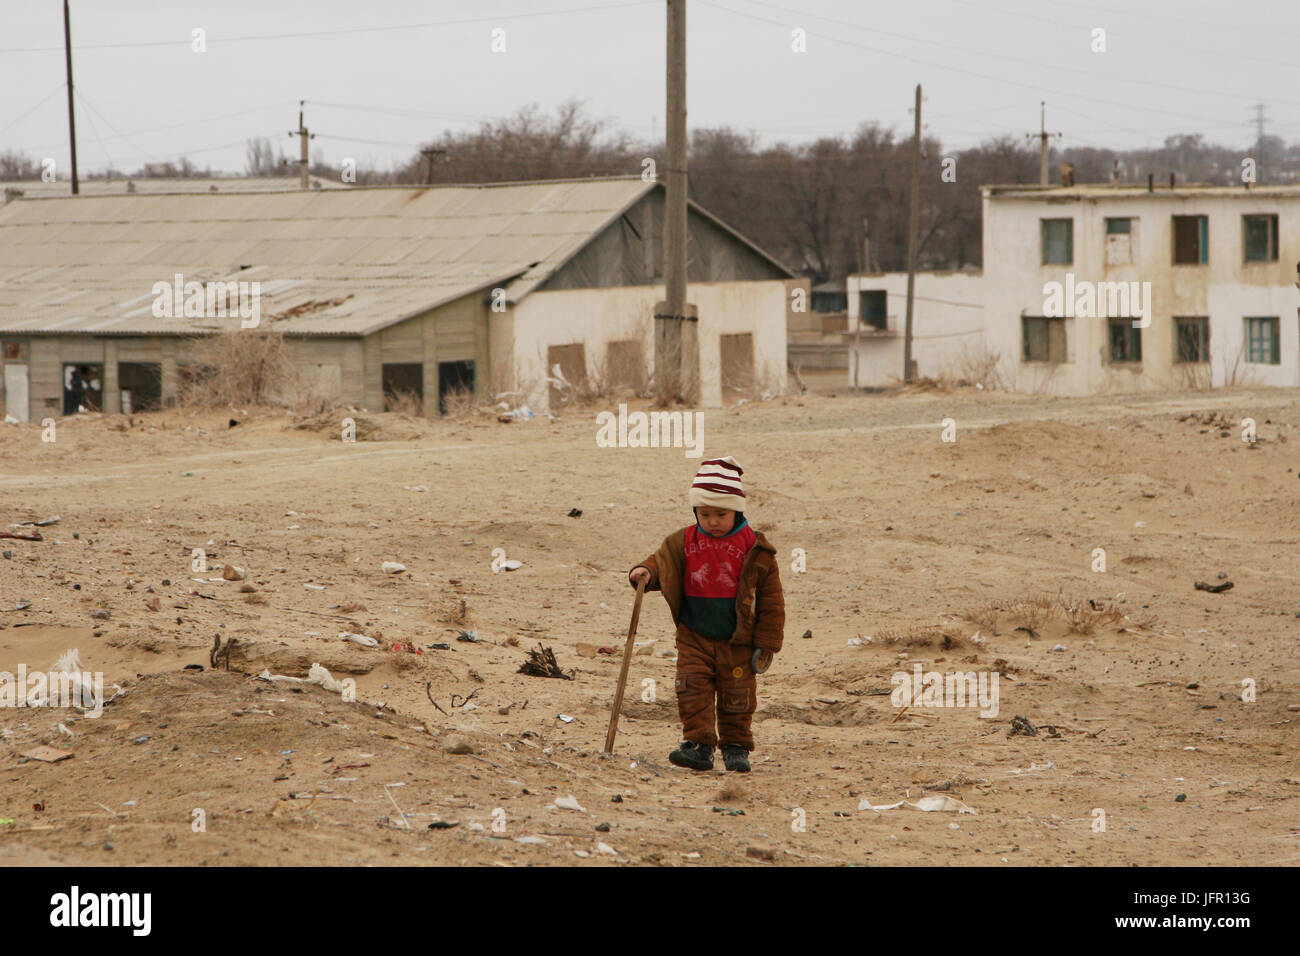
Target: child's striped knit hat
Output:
{"points": [[717, 485]]}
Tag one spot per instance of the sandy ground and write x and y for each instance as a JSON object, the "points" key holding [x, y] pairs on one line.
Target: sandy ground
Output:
{"points": [[936, 551]]}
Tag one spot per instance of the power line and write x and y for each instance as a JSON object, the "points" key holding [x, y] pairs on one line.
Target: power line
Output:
{"points": [[499, 18], [41, 103]]}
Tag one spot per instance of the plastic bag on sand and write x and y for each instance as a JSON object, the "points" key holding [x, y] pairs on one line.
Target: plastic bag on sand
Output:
{"points": [[319, 675], [569, 803], [942, 804], [865, 804], [358, 639]]}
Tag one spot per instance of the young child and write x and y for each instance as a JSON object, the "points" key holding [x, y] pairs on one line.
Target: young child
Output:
{"points": [[724, 593]]}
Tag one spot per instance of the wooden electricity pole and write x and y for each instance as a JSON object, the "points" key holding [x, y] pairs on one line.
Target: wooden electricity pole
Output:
{"points": [[72, 121], [676, 321], [913, 227]]}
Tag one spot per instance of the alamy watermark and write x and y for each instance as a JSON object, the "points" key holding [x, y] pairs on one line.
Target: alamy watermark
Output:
{"points": [[652, 430], [208, 300], [1085, 299], [56, 688], [924, 688]]}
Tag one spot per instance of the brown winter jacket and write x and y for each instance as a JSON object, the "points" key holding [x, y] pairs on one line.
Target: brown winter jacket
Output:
{"points": [[760, 603]]}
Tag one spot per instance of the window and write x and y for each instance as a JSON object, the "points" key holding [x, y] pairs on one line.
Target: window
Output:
{"points": [[1125, 341], [1119, 242], [1191, 240], [1261, 341], [1259, 238], [1044, 338], [1192, 340], [15, 351], [872, 306], [1058, 242]]}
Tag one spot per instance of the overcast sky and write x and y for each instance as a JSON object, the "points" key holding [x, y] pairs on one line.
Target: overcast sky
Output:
{"points": [[381, 77]]}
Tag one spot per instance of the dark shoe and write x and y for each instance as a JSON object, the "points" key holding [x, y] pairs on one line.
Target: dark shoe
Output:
{"points": [[735, 757], [692, 755]]}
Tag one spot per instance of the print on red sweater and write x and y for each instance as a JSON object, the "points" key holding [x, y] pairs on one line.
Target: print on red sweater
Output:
{"points": [[713, 579]]}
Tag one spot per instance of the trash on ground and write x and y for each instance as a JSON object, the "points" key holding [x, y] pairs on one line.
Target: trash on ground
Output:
{"points": [[541, 663], [358, 639], [865, 804], [1214, 588], [941, 804], [392, 567], [569, 803], [47, 754]]}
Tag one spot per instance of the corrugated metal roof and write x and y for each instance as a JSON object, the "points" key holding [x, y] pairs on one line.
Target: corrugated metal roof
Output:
{"points": [[1139, 191], [330, 262], [36, 189]]}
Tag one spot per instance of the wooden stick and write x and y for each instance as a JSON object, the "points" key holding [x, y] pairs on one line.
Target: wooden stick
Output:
{"points": [[622, 674]]}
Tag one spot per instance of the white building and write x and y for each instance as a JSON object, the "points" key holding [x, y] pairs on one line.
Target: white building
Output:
{"points": [[1109, 288]]}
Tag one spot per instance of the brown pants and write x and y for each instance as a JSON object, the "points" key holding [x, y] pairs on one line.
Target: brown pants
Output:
{"points": [[715, 678]]}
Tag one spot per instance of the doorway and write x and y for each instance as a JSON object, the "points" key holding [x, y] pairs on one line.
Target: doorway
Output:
{"points": [[455, 383], [140, 385], [83, 387], [404, 388]]}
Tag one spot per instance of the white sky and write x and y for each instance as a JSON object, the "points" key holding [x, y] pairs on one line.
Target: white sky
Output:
{"points": [[391, 74]]}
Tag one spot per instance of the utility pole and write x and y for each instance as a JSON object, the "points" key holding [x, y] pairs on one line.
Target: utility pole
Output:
{"points": [[303, 135], [72, 120], [913, 227], [676, 321], [430, 154], [1043, 136]]}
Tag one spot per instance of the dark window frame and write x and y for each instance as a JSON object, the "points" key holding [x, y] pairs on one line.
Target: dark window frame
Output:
{"points": [[1045, 244], [1202, 340]]}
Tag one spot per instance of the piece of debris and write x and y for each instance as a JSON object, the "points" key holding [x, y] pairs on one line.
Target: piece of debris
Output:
{"points": [[18, 536], [575, 513], [943, 804], [569, 803], [153, 603], [392, 567], [99, 614], [511, 565], [566, 718], [232, 573], [1180, 798], [606, 849], [1214, 588], [760, 851], [457, 744], [541, 663], [468, 637], [358, 639], [47, 754], [1021, 726], [530, 840], [807, 634]]}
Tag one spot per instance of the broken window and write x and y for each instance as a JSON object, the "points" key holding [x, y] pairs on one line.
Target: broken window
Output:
{"points": [[1259, 238], [140, 386], [1262, 341], [403, 384], [455, 382], [1192, 339], [1125, 341], [82, 388], [1191, 240], [872, 308], [1058, 241], [15, 351], [1044, 338], [1119, 242]]}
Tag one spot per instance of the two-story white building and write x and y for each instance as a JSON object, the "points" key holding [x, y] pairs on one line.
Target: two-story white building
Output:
{"points": [[1099, 287]]}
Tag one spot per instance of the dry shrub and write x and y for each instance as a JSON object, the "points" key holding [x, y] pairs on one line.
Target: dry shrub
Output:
{"points": [[1085, 617], [984, 616], [1031, 613], [242, 367], [459, 403], [404, 401], [980, 367], [928, 635]]}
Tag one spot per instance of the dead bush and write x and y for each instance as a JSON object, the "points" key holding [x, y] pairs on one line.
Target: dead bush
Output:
{"points": [[241, 367], [404, 401], [459, 402]]}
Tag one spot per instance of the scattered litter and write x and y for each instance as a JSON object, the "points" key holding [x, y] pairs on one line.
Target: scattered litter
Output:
{"points": [[865, 804], [415, 488], [392, 567], [541, 663], [807, 635], [586, 650], [47, 754], [566, 718], [531, 840], [575, 513], [643, 648], [232, 573], [319, 675], [941, 804], [268, 676], [468, 637], [569, 803], [314, 587], [858, 641], [358, 639], [1060, 647], [606, 848], [1214, 588], [456, 744], [1022, 727], [63, 729], [729, 812], [1034, 767], [511, 565]]}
